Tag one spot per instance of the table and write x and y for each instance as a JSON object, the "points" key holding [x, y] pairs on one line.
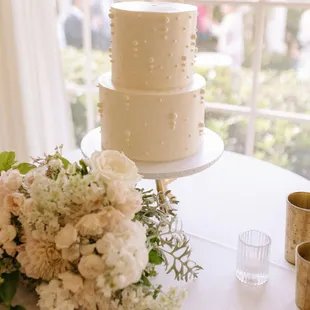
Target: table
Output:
{"points": [[236, 194]]}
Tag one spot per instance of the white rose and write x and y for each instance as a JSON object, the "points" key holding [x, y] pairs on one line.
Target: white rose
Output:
{"points": [[7, 234], [91, 266], [126, 199], [10, 248], [13, 180], [71, 282], [66, 237], [13, 202], [89, 225], [5, 217], [114, 165], [71, 254], [87, 249], [110, 217]]}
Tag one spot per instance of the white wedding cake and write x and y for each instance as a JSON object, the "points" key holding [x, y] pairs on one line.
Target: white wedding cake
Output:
{"points": [[152, 104]]}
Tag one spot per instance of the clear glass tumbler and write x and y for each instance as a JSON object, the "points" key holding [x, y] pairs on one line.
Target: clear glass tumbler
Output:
{"points": [[253, 257]]}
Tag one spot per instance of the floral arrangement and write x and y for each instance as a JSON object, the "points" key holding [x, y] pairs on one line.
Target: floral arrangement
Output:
{"points": [[82, 236]]}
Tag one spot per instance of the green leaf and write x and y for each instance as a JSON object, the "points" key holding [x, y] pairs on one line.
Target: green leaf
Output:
{"points": [[18, 307], [24, 168], [7, 160], [65, 162], [155, 257], [145, 281], [84, 167], [9, 286]]}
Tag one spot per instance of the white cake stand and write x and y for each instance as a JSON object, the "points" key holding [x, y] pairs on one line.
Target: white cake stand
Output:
{"points": [[210, 152]]}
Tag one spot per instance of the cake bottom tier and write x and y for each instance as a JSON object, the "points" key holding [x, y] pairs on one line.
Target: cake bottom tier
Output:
{"points": [[152, 126]]}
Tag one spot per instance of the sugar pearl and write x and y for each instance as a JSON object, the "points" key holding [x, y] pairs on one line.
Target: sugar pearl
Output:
{"points": [[135, 43], [127, 133], [151, 60]]}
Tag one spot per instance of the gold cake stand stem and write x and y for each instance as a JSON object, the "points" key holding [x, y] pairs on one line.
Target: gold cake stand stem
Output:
{"points": [[162, 188]]}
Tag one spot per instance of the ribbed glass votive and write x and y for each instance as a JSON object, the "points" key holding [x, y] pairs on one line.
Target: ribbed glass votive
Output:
{"points": [[253, 257]]}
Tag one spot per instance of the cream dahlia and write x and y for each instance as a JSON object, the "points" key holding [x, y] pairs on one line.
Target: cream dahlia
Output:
{"points": [[41, 259]]}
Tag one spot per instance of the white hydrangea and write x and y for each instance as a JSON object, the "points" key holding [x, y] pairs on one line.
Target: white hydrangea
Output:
{"points": [[125, 256], [53, 296]]}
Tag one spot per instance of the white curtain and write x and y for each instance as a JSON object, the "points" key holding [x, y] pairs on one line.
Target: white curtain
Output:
{"points": [[34, 113]]}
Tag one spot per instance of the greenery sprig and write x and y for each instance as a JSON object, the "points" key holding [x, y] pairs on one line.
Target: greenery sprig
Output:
{"points": [[168, 242]]}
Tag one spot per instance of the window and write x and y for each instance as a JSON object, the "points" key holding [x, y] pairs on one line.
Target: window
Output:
{"points": [[257, 81]]}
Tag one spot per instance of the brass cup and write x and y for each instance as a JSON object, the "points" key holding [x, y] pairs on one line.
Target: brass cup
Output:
{"points": [[297, 223]]}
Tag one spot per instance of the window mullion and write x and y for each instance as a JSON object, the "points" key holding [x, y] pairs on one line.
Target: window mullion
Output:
{"points": [[87, 45], [257, 60]]}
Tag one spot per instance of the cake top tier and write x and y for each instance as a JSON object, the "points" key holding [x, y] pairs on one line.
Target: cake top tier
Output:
{"points": [[154, 7], [153, 45]]}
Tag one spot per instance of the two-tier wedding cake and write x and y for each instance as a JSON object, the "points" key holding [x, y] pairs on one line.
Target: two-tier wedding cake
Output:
{"points": [[152, 104]]}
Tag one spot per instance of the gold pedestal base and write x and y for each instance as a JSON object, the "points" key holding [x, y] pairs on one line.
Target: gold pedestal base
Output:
{"points": [[162, 188]]}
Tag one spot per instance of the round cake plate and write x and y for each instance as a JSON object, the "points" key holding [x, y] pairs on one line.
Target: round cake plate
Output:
{"points": [[209, 153]]}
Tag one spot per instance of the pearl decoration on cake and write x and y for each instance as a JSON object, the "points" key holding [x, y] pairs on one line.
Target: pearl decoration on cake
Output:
{"points": [[177, 18], [135, 55], [169, 77], [176, 66], [112, 25], [127, 104], [162, 142], [135, 43], [126, 98], [147, 153], [170, 55], [167, 20], [189, 135], [151, 67], [144, 41], [175, 41], [183, 57], [111, 15], [135, 49], [173, 116], [145, 124], [166, 29], [202, 91], [151, 60], [194, 36], [201, 128], [100, 108], [165, 37], [186, 119], [184, 28], [127, 133]]}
